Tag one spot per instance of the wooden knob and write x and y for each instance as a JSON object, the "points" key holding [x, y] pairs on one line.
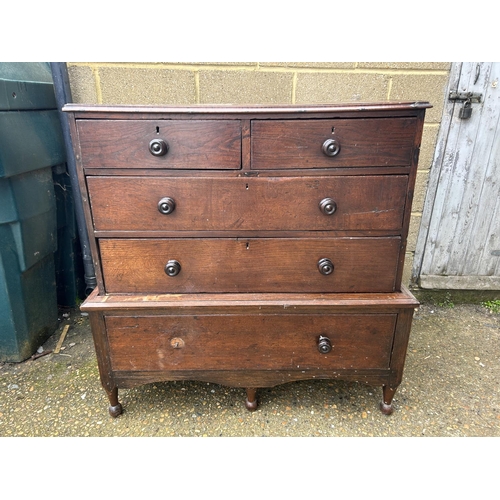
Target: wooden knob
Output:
{"points": [[331, 147], [325, 266], [324, 345], [158, 147], [172, 268], [166, 205], [328, 206]]}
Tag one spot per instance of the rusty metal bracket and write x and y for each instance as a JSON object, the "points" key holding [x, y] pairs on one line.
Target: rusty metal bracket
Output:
{"points": [[465, 96]]}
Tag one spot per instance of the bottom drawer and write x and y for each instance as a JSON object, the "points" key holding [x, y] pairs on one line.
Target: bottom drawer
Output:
{"points": [[250, 342]]}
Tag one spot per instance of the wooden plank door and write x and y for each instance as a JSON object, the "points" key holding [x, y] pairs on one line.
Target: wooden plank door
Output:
{"points": [[458, 246]]}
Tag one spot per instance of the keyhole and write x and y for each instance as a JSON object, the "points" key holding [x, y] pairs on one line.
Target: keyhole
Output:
{"points": [[248, 245], [157, 130], [333, 130], [246, 187]]}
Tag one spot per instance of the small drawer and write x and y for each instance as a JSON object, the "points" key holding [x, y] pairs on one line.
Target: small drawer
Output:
{"points": [[370, 142], [160, 144], [251, 342], [267, 204], [249, 265]]}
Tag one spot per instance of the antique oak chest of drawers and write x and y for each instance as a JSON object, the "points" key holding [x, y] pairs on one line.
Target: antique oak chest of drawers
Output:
{"points": [[248, 246]]}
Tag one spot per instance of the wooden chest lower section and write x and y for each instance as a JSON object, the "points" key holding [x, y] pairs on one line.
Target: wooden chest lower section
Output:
{"points": [[250, 340]]}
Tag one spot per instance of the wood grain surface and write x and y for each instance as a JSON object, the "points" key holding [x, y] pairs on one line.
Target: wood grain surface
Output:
{"points": [[197, 144], [243, 204], [286, 144], [249, 342], [249, 265]]}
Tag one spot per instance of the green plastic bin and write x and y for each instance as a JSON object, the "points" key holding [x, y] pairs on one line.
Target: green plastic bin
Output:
{"points": [[31, 144]]}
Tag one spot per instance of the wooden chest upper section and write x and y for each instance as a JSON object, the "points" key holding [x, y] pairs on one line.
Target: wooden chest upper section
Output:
{"points": [[312, 199]]}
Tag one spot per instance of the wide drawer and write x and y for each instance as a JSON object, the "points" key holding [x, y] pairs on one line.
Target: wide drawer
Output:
{"points": [[250, 342], [273, 203], [191, 144], [286, 144], [249, 265]]}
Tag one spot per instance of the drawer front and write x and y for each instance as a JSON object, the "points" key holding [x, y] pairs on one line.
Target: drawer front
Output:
{"points": [[191, 144], [250, 342], [249, 265], [279, 204], [284, 144]]}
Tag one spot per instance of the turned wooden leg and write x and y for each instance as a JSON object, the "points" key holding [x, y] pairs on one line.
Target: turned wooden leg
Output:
{"points": [[386, 404], [251, 401], [115, 408]]}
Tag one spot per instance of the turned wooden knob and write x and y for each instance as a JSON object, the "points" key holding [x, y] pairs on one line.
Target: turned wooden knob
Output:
{"points": [[325, 266], [166, 205], [324, 345], [328, 206], [172, 268], [331, 147], [158, 147]]}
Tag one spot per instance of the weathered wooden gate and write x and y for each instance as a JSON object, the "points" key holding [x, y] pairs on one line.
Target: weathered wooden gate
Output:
{"points": [[458, 246]]}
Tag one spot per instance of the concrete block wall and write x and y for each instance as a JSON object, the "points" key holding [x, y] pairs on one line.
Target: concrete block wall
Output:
{"points": [[275, 83]]}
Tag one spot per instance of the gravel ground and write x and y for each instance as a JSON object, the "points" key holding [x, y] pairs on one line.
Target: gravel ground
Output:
{"points": [[451, 388]]}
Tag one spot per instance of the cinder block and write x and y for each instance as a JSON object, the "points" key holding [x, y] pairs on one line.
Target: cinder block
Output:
{"points": [[306, 65], [83, 84], [426, 87], [406, 65], [340, 87], [415, 220], [229, 64], [428, 145], [245, 87], [420, 190], [131, 85], [407, 269]]}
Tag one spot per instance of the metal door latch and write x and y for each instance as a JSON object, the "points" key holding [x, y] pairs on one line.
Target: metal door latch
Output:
{"points": [[468, 98]]}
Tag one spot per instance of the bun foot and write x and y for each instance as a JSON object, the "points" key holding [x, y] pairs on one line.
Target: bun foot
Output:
{"points": [[116, 410], [386, 409], [386, 404], [251, 401], [251, 405]]}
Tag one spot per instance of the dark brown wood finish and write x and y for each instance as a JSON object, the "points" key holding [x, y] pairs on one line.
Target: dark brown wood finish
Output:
{"points": [[249, 265], [197, 144], [227, 111], [411, 189], [248, 204], [216, 255], [245, 378], [247, 173], [259, 342], [284, 144], [249, 303], [85, 202], [106, 372]]}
